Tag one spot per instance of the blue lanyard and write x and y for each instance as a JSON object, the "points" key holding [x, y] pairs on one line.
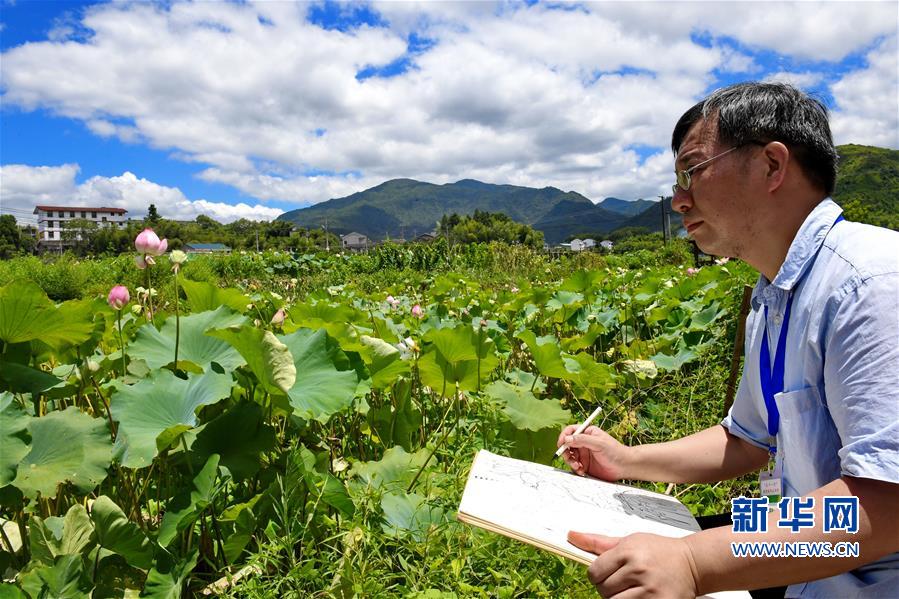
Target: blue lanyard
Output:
{"points": [[772, 376]]}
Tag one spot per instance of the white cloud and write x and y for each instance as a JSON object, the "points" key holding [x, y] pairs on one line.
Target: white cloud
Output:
{"points": [[867, 101], [806, 80], [24, 187], [258, 97]]}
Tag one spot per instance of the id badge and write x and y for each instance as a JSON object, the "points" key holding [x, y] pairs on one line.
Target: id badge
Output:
{"points": [[771, 482]]}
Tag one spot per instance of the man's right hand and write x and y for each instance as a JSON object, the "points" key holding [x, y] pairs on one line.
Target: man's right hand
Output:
{"points": [[594, 452]]}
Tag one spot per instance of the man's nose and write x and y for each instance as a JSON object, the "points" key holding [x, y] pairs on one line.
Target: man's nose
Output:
{"points": [[681, 201]]}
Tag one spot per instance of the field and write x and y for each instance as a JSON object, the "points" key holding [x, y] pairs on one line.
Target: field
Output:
{"points": [[275, 424]]}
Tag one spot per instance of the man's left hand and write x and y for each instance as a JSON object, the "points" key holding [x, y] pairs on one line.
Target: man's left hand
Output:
{"points": [[639, 565]]}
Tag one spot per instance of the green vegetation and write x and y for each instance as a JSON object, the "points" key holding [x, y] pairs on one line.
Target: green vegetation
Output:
{"points": [[868, 185], [486, 227], [323, 451]]}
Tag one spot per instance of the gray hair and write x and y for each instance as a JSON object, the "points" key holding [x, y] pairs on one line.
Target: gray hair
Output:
{"points": [[765, 112]]}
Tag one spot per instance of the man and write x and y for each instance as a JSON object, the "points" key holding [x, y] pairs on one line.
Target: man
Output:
{"points": [[755, 165]]}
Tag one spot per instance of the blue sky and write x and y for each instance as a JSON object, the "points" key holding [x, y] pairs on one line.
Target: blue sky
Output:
{"points": [[243, 109]]}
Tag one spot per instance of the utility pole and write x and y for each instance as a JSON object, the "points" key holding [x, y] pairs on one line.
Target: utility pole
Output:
{"points": [[327, 241], [257, 237], [666, 219]]}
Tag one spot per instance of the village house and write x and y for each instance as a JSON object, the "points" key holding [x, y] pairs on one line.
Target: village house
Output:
{"points": [[206, 248], [354, 241], [51, 222]]}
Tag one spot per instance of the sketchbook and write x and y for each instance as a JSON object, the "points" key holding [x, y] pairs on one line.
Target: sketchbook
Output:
{"points": [[539, 504]]}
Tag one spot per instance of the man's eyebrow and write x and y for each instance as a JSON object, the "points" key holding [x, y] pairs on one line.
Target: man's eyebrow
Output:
{"points": [[681, 158]]}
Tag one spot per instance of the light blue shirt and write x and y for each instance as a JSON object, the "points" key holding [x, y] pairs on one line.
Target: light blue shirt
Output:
{"points": [[839, 411]]}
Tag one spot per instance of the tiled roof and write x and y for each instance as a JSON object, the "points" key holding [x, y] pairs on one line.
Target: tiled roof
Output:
{"points": [[79, 209]]}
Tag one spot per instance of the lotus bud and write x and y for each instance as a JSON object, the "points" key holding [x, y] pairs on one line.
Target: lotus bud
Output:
{"points": [[692, 271], [177, 258], [118, 297], [148, 242], [278, 318], [417, 312]]}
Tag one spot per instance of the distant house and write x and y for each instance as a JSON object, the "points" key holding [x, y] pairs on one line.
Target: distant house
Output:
{"points": [[206, 248], [354, 241], [51, 221], [606, 244], [425, 238]]}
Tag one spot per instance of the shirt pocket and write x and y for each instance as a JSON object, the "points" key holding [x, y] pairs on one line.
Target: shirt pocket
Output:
{"points": [[807, 441]]}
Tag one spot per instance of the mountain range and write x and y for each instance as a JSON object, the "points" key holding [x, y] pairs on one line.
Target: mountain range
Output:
{"points": [[404, 208]]}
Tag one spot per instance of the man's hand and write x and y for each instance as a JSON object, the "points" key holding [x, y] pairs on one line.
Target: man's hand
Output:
{"points": [[593, 452], [639, 565]]}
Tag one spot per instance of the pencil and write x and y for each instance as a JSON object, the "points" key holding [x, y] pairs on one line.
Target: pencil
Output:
{"points": [[580, 429]]}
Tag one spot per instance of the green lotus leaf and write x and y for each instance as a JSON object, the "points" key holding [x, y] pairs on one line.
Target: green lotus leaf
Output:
{"points": [[167, 577], [410, 514], [13, 436], [27, 314], [526, 411], [185, 507], [121, 536], [267, 357], [343, 323], [44, 536], [24, 379], [146, 410], [321, 388], [238, 436], [587, 373], [384, 362], [452, 359], [52, 537], [332, 491], [583, 281], [204, 296], [65, 579], [455, 345], [393, 472], [157, 347], [65, 446], [8, 591], [666, 362], [546, 353], [703, 319]]}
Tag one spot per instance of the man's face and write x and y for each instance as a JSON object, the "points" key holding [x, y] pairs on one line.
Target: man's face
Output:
{"points": [[717, 210]]}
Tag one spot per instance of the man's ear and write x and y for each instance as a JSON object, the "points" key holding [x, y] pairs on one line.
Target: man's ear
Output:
{"points": [[777, 159]]}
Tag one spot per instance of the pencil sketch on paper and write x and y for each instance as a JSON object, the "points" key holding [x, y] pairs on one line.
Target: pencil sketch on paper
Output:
{"points": [[539, 505], [544, 503]]}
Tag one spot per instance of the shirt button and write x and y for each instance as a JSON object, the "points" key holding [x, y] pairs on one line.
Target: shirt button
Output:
{"points": [[778, 318]]}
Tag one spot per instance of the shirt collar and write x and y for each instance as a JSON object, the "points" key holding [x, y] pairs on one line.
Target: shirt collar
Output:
{"points": [[803, 249]]}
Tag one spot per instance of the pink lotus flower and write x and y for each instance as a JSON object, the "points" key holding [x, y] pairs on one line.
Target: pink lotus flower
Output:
{"points": [[417, 312], [147, 242], [393, 301], [278, 318], [118, 297], [692, 271]]}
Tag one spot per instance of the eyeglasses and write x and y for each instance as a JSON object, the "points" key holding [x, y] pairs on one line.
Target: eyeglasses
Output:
{"points": [[684, 177]]}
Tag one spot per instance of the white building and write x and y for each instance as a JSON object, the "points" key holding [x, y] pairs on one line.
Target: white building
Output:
{"points": [[579, 245], [51, 220], [354, 241], [606, 244]]}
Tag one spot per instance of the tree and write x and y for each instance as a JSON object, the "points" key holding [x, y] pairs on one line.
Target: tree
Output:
{"points": [[80, 232], [9, 236], [152, 215]]}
